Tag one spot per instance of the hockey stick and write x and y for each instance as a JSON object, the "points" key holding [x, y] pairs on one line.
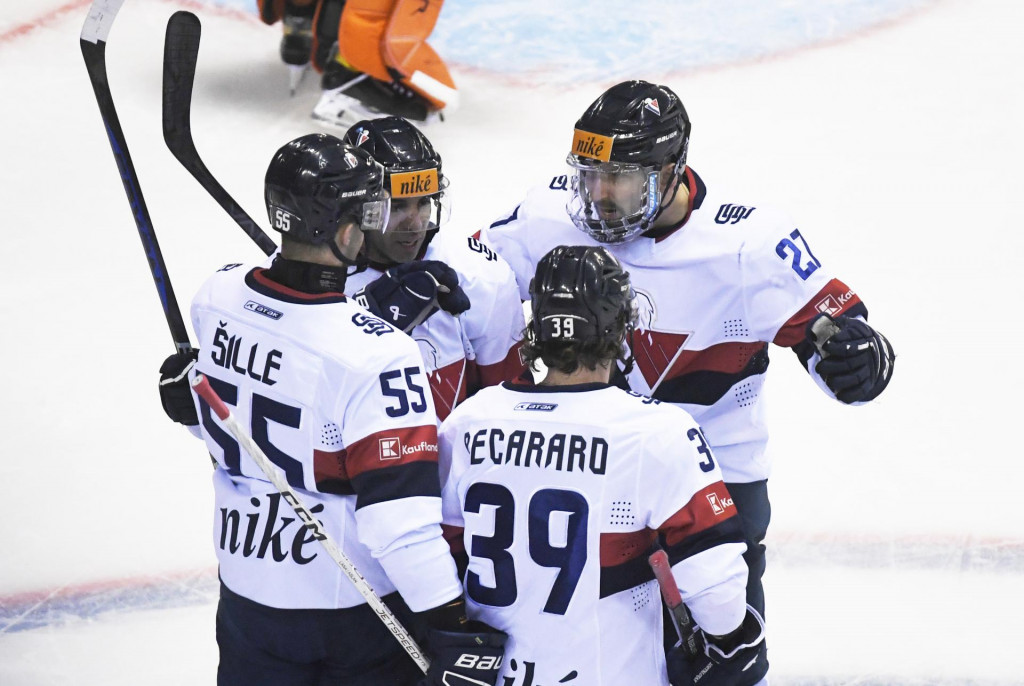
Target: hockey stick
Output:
{"points": [[681, 619], [181, 51], [94, 46], [205, 390]]}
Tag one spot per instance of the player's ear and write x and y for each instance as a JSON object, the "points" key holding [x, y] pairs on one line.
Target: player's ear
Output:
{"points": [[349, 239]]}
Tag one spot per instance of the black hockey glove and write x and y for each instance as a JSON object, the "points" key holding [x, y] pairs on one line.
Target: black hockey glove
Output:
{"points": [[175, 390], [856, 361], [462, 652], [736, 659], [406, 295]]}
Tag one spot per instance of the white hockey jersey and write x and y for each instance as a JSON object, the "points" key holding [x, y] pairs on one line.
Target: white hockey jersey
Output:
{"points": [[711, 295], [480, 347], [339, 401], [559, 494]]}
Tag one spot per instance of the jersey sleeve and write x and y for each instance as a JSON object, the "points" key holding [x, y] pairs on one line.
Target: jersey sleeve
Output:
{"points": [[389, 432], [786, 286], [697, 522], [494, 322]]}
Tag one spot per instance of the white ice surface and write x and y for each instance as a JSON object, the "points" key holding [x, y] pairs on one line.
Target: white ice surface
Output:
{"points": [[897, 538]]}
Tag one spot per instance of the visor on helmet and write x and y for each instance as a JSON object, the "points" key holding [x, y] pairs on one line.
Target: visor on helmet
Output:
{"points": [[375, 213], [612, 201]]}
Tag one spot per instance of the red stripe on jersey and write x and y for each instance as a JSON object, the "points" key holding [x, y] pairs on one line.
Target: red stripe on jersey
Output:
{"points": [[391, 448], [659, 356], [619, 548], [509, 369], [329, 465], [834, 299], [448, 386], [453, 534], [709, 506]]}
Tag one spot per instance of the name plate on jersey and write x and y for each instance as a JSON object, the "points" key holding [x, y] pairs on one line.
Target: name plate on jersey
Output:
{"points": [[592, 145], [414, 184]]}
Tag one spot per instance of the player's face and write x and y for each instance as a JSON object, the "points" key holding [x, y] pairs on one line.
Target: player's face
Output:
{"points": [[613, 195], [406, 231]]}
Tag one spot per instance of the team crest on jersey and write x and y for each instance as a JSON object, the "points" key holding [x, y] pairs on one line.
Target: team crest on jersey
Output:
{"points": [[256, 307], [390, 449], [732, 214], [652, 105], [655, 352]]}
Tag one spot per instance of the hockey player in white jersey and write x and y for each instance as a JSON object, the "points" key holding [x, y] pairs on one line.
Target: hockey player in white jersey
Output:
{"points": [[718, 277], [338, 400], [463, 349], [559, 492]]}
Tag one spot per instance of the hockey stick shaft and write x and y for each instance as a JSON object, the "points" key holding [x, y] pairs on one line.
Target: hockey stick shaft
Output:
{"points": [[205, 390], [681, 619], [94, 45], [181, 51]]}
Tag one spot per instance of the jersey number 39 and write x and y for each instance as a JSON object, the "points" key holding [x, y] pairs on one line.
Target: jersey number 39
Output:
{"points": [[568, 558]]}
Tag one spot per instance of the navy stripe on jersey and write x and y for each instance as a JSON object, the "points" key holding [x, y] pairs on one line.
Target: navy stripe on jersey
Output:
{"points": [[502, 222], [394, 483], [258, 281], [703, 386]]}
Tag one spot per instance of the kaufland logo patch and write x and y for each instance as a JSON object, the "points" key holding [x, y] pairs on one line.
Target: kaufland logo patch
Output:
{"points": [[421, 447], [390, 449], [719, 506], [828, 305], [653, 106]]}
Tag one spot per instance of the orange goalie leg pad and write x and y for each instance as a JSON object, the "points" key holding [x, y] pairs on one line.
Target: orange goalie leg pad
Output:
{"points": [[406, 51], [387, 40]]}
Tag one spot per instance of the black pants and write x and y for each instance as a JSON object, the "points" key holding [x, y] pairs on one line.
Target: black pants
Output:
{"points": [[350, 647], [755, 511]]}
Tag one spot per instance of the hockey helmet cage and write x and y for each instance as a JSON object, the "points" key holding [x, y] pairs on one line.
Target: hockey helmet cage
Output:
{"points": [[580, 293], [635, 128], [316, 181]]}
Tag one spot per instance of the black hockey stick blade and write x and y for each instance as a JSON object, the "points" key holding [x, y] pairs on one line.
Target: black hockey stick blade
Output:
{"points": [[94, 46], [181, 51]]}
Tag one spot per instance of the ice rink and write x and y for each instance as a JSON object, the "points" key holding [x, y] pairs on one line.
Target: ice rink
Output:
{"points": [[890, 130]]}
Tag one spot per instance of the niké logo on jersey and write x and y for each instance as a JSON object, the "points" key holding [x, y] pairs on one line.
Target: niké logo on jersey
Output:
{"points": [[732, 214], [268, 538]]}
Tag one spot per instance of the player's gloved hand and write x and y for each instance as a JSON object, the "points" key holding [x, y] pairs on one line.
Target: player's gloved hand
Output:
{"points": [[462, 652], [856, 361], [175, 390], [406, 295], [739, 658]]}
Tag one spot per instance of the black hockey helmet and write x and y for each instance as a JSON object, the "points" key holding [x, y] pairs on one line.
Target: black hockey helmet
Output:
{"points": [[315, 182], [411, 165], [624, 139], [580, 293]]}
